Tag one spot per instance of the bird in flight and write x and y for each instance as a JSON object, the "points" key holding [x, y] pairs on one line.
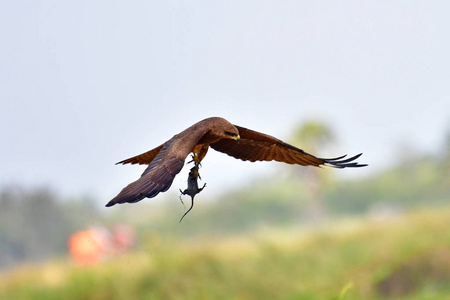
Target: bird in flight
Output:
{"points": [[167, 160]]}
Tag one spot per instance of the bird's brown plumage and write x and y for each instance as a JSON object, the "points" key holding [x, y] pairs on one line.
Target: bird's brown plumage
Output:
{"points": [[165, 161]]}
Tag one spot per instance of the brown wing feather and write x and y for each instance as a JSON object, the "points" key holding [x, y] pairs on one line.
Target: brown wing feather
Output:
{"points": [[164, 162], [256, 146], [157, 177], [142, 159], [151, 183]]}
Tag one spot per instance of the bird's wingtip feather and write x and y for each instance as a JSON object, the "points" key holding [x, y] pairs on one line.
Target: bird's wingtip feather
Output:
{"points": [[110, 203], [341, 163]]}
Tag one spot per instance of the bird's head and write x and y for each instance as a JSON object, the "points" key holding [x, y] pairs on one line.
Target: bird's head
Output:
{"points": [[225, 130]]}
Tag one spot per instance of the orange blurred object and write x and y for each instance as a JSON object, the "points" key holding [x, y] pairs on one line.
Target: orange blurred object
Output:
{"points": [[89, 246]]}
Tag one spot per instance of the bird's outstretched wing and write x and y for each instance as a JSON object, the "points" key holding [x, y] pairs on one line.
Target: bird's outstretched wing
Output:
{"points": [[158, 177], [256, 146], [142, 159]]}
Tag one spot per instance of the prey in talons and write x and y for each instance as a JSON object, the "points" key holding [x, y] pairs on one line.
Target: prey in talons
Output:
{"points": [[192, 188]]}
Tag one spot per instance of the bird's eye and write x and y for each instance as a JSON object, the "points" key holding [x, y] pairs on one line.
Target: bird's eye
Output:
{"points": [[230, 134]]}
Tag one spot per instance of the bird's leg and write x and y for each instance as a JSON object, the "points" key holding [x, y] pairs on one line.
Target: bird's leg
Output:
{"points": [[195, 159], [197, 163], [192, 188], [195, 170]]}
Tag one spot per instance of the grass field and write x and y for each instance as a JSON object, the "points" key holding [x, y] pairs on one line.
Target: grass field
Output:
{"points": [[403, 258]]}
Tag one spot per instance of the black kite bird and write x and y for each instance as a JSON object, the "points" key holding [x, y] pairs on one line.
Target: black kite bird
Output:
{"points": [[167, 160]]}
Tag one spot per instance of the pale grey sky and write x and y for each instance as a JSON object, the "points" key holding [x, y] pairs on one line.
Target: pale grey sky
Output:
{"points": [[84, 84]]}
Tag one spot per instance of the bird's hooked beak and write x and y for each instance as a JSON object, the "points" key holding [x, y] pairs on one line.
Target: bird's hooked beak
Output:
{"points": [[237, 138]]}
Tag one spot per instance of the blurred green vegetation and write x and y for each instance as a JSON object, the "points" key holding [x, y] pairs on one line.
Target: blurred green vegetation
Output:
{"points": [[298, 234], [35, 223], [404, 258]]}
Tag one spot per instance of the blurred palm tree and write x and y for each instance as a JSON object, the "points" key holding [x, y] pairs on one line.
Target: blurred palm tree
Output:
{"points": [[313, 136]]}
